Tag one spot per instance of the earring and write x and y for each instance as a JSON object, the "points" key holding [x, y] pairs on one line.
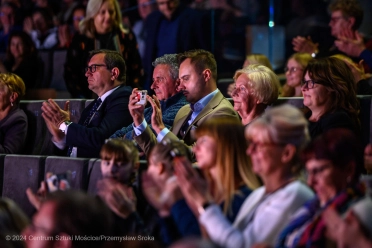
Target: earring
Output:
{"points": [[11, 103]]}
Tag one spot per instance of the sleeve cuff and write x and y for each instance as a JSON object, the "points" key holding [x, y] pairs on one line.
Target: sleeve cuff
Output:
{"points": [[140, 129], [162, 134]]}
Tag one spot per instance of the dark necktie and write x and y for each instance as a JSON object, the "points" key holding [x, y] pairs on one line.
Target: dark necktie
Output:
{"points": [[92, 112]]}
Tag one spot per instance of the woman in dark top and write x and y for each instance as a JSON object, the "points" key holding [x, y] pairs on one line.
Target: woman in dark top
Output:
{"points": [[21, 59], [13, 121], [330, 94], [101, 29]]}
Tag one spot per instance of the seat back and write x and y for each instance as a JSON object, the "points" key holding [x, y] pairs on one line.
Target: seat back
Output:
{"points": [[22, 172]]}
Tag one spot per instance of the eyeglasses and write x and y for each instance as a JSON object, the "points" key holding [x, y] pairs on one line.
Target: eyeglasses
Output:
{"points": [[316, 171], [292, 69], [308, 84], [258, 146], [93, 68], [78, 18], [239, 89]]}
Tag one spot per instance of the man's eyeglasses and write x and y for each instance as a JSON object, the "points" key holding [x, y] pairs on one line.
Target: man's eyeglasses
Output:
{"points": [[316, 171], [292, 69], [308, 84], [93, 68]]}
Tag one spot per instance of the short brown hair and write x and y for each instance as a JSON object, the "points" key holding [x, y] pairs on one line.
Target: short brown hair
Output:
{"points": [[201, 59]]}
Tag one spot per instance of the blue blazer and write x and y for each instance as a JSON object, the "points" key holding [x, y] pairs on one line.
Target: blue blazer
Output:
{"points": [[111, 116]]}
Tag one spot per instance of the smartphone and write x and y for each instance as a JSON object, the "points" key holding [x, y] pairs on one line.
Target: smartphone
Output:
{"points": [[61, 181], [141, 96]]}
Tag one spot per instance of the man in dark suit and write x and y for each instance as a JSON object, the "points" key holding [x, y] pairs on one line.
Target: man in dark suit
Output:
{"points": [[105, 115], [197, 74], [173, 28]]}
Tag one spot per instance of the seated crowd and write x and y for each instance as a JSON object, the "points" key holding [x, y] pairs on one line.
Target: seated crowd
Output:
{"points": [[217, 173]]}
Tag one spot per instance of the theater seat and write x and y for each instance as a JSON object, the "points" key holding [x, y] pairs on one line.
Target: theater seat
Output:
{"points": [[77, 166], [95, 174], [22, 172]]}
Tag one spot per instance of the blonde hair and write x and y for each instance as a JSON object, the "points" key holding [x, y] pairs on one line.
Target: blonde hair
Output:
{"points": [[301, 58], [350, 62], [14, 83], [87, 24], [283, 125], [233, 165], [264, 82], [257, 58]]}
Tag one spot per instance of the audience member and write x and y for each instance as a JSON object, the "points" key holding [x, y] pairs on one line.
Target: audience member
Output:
{"points": [[145, 7], [360, 78], [256, 87], [307, 18], [13, 121], [254, 58], [220, 154], [119, 163], [293, 73], [330, 94], [334, 162], [197, 74], [43, 32], [345, 15], [22, 59], [275, 140], [74, 217], [68, 29], [12, 222], [101, 29], [106, 77], [355, 229], [8, 16], [165, 85], [173, 28], [355, 47]]}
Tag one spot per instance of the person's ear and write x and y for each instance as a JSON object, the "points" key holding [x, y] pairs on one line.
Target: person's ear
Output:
{"points": [[114, 73], [288, 153], [13, 97], [351, 22], [207, 74]]}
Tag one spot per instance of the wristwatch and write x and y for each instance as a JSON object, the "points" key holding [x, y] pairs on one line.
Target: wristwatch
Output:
{"points": [[64, 126]]}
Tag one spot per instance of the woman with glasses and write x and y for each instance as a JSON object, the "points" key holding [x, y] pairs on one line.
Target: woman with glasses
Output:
{"points": [[293, 73], [329, 93], [101, 29], [256, 87], [275, 140], [334, 162]]}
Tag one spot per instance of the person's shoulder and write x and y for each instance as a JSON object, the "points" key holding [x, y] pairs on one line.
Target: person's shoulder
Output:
{"points": [[123, 90]]}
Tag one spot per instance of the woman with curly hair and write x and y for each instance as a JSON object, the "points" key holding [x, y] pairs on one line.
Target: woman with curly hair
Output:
{"points": [[330, 94]]}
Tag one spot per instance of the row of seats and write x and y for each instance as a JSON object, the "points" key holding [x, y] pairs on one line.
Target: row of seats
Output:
{"points": [[39, 138], [19, 172]]}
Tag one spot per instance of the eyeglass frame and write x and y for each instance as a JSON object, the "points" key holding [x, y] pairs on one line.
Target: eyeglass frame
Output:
{"points": [[254, 145], [316, 171], [305, 83], [90, 68], [292, 69]]}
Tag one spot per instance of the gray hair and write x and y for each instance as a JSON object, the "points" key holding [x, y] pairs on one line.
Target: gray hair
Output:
{"points": [[263, 80], [171, 60], [282, 125]]}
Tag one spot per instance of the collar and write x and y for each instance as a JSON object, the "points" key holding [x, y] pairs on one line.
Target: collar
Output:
{"points": [[104, 96], [199, 105]]}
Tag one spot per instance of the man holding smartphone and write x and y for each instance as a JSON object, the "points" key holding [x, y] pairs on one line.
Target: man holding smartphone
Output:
{"points": [[106, 77], [197, 75]]}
